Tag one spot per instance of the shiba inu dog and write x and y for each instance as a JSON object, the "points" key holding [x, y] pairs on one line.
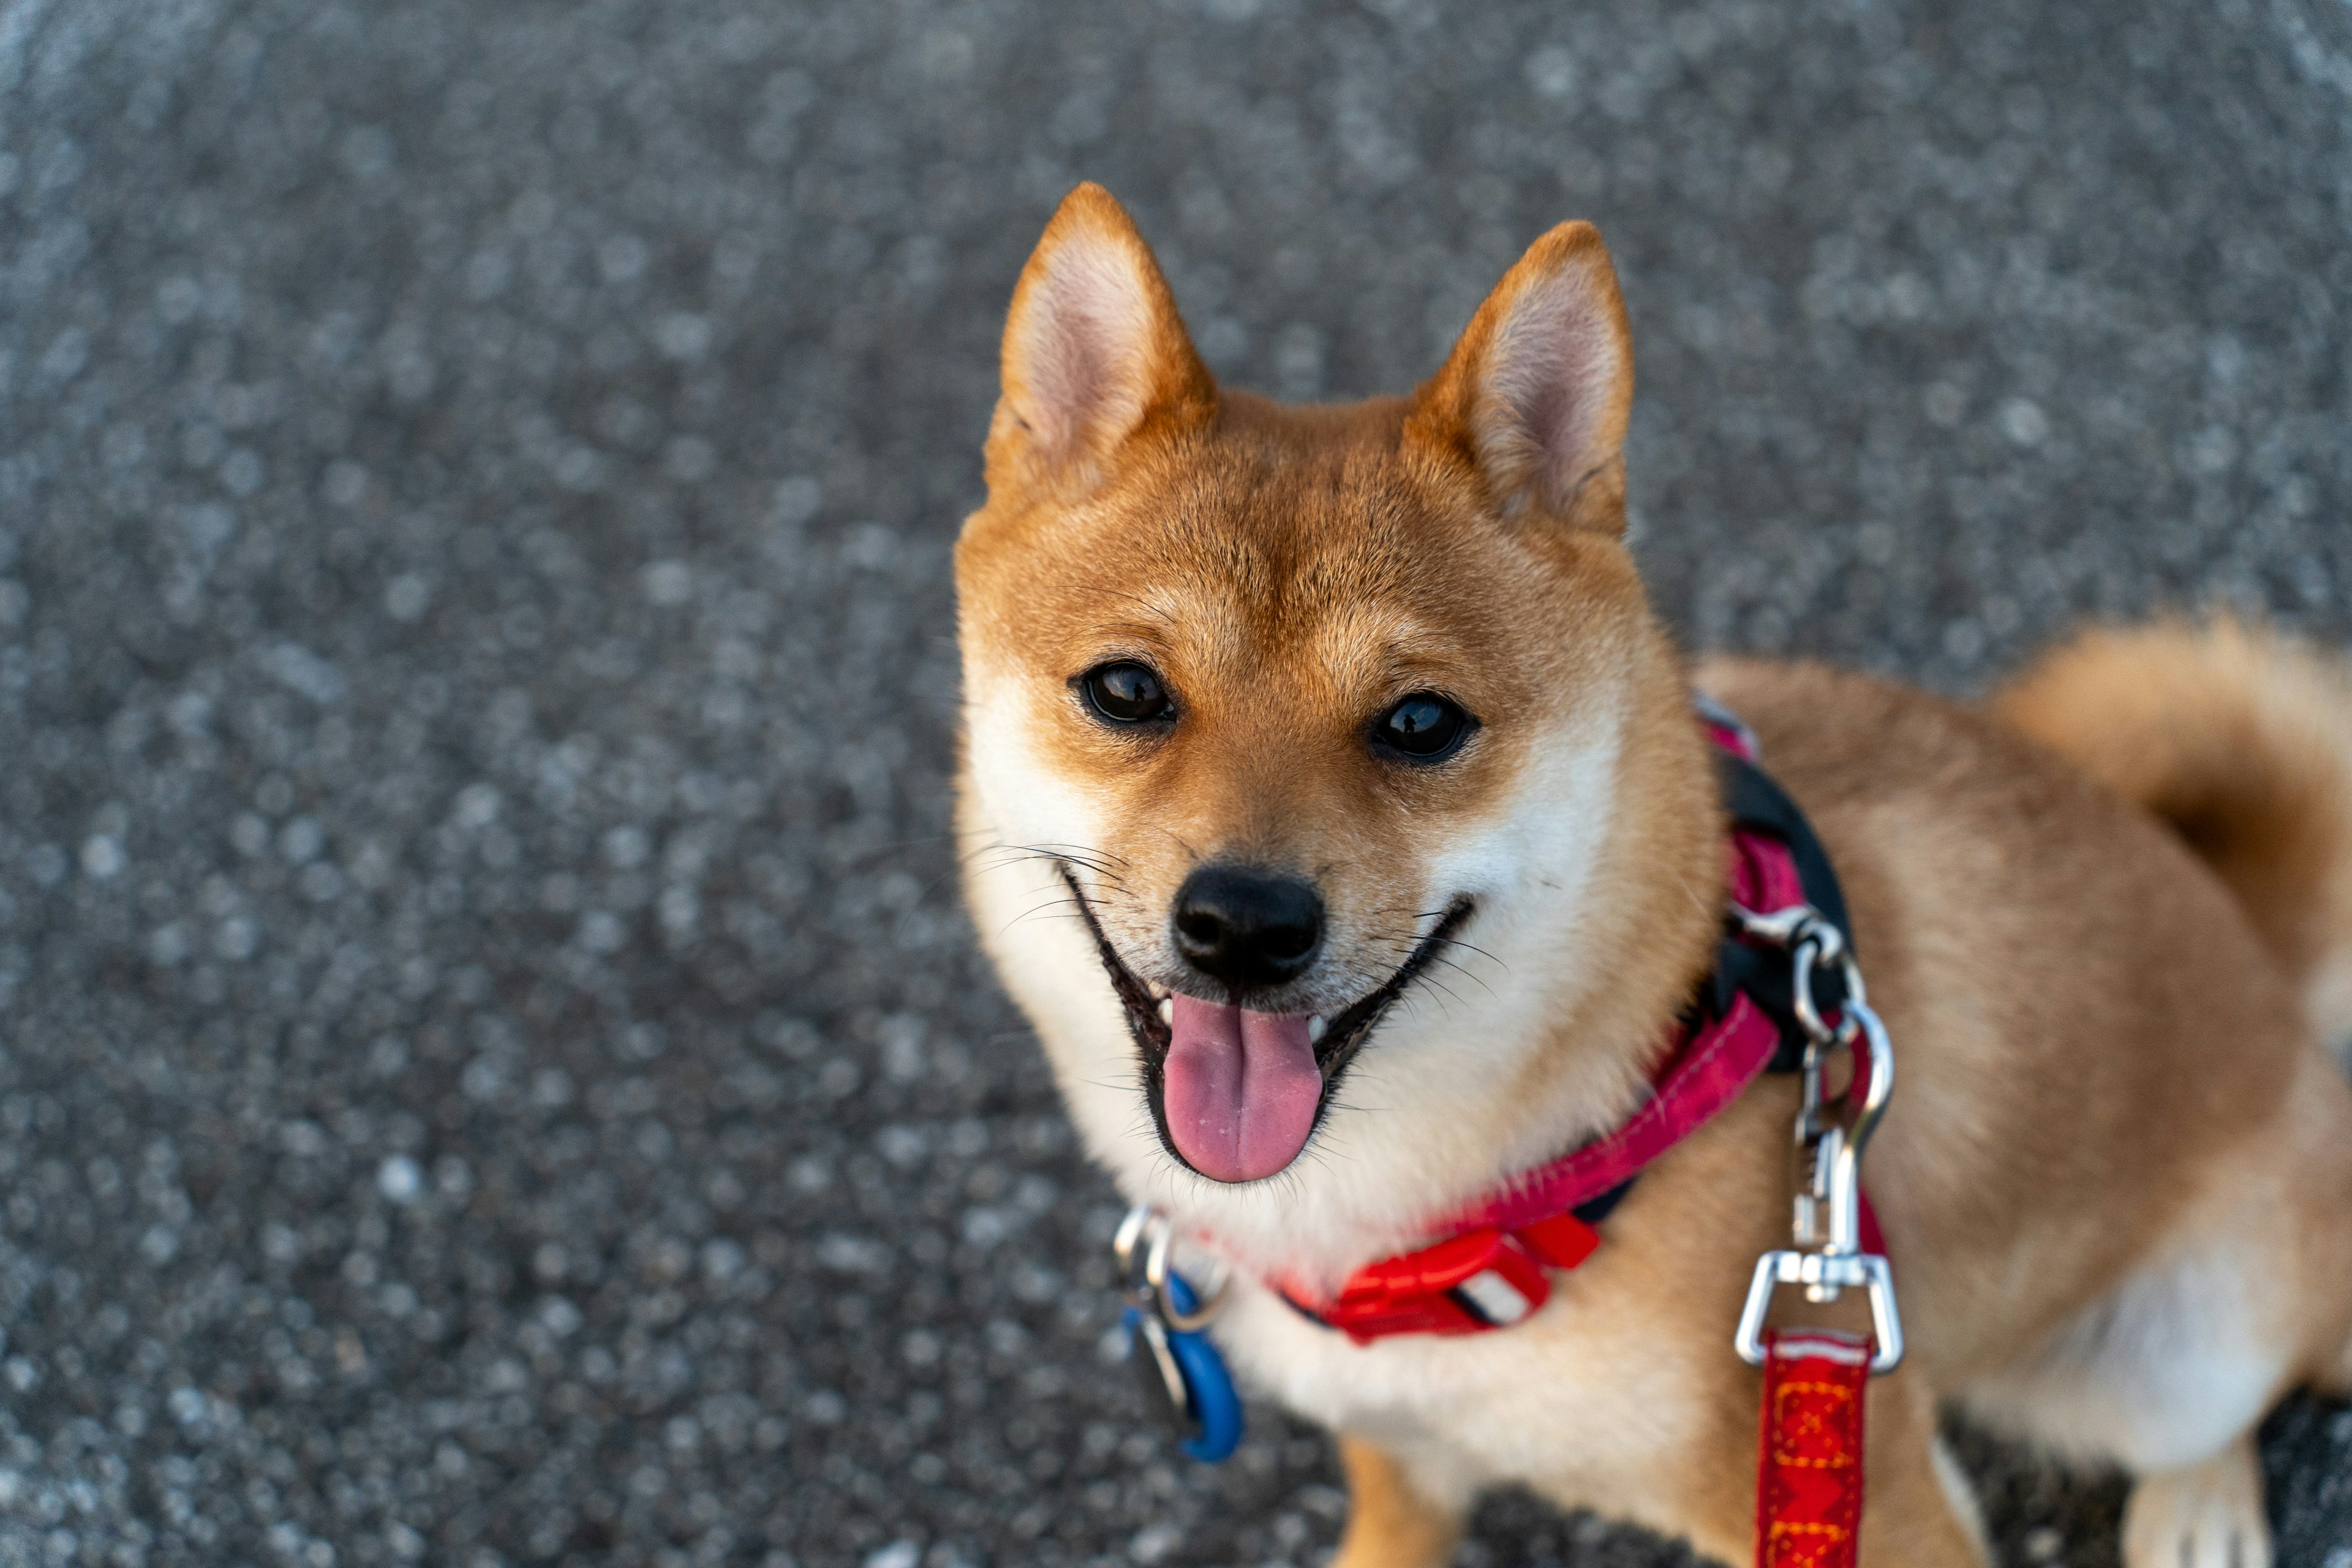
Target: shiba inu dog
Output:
{"points": [[1382, 852]]}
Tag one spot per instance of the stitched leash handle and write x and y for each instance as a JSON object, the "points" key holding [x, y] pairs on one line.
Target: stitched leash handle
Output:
{"points": [[1809, 1454]]}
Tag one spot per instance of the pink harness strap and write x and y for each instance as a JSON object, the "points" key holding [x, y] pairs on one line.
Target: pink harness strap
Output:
{"points": [[1711, 1067], [1715, 1068]]}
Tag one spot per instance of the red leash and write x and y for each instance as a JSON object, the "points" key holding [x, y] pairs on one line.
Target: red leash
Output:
{"points": [[1809, 1454]]}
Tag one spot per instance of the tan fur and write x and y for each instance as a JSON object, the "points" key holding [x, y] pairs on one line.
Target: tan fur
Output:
{"points": [[2242, 741], [2116, 1179], [1389, 1524]]}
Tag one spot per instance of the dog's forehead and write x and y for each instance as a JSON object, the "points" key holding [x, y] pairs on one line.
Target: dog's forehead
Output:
{"points": [[1294, 549], [1308, 551]]}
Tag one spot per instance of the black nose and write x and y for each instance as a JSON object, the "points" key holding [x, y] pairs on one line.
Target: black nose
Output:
{"points": [[1246, 927]]}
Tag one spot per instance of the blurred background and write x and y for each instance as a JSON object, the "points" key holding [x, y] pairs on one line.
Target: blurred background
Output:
{"points": [[492, 1068]]}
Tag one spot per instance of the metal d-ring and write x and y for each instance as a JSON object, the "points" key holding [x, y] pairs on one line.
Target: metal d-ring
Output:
{"points": [[1814, 1270], [1819, 943], [1155, 1274]]}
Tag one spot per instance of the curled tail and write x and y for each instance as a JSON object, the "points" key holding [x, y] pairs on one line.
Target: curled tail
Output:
{"points": [[2242, 741]]}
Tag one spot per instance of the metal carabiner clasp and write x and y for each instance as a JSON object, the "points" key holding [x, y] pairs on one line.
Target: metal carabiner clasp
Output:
{"points": [[1831, 1180]]}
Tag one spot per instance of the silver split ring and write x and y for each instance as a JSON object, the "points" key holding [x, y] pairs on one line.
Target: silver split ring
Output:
{"points": [[1147, 1287]]}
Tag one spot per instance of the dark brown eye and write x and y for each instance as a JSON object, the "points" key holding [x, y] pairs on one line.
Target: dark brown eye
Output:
{"points": [[1126, 693], [1423, 728]]}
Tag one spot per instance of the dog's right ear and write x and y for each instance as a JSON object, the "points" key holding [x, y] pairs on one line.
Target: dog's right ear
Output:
{"points": [[1094, 352]]}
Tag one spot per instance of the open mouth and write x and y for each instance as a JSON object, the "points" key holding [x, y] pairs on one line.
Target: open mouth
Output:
{"points": [[1237, 1094]]}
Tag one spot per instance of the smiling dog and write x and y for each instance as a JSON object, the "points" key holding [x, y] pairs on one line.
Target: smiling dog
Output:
{"points": [[1390, 853]]}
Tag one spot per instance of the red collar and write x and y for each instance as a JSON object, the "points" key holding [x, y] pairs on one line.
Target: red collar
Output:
{"points": [[1490, 1269]]}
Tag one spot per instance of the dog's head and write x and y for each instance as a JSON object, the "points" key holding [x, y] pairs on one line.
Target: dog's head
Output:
{"points": [[1302, 738]]}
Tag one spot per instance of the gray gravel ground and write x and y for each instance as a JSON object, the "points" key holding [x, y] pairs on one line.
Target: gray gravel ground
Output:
{"points": [[492, 1066]]}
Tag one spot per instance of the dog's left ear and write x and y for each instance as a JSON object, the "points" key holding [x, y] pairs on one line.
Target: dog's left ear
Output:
{"points": [[1534, 395], [1094, 351]]}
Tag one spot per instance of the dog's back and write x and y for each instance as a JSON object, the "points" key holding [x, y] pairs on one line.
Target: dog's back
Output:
{"points": [[2241, 742]]}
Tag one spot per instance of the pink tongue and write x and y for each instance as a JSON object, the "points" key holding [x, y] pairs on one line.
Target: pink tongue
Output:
{"points": [[1241, 1089]]}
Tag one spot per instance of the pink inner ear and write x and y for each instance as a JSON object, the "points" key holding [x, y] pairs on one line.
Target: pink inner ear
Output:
{"points": [[1084, 337], [1550, 377]]}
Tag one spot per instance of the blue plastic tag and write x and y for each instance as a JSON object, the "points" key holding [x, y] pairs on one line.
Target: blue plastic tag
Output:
{"points": [[1185, 1379]]}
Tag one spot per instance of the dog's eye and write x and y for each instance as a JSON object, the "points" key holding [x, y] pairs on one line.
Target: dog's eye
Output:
{"points": [[1126, 693], [1425, 726]]}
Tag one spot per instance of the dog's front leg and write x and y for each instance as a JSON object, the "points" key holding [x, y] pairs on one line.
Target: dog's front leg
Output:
{"points": [[1392, 1523], [1920, 1510]]}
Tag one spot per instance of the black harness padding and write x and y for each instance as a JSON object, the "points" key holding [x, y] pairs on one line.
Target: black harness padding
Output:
{"points": [[1759, 805], [1595, 1209]]}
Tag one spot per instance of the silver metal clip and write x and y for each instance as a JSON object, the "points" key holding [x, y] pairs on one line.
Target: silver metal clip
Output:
{"points": [[1141, 1248], [1828, 1211]]}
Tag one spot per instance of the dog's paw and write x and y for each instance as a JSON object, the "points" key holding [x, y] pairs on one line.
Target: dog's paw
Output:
{"points": [[2207, 1516]]}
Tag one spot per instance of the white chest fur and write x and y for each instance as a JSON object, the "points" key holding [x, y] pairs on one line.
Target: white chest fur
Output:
{"points": [[1576, 1402]]}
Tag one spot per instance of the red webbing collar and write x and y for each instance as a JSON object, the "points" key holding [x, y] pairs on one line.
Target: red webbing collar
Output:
{"points": [[1490, 1270]]}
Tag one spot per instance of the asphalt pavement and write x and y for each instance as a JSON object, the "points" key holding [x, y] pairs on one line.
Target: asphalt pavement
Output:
{"points": [[492, 1068]]}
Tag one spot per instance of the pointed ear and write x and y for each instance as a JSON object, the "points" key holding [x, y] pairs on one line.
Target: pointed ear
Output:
{"points": [[1094, 350], [1535, 396]]}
